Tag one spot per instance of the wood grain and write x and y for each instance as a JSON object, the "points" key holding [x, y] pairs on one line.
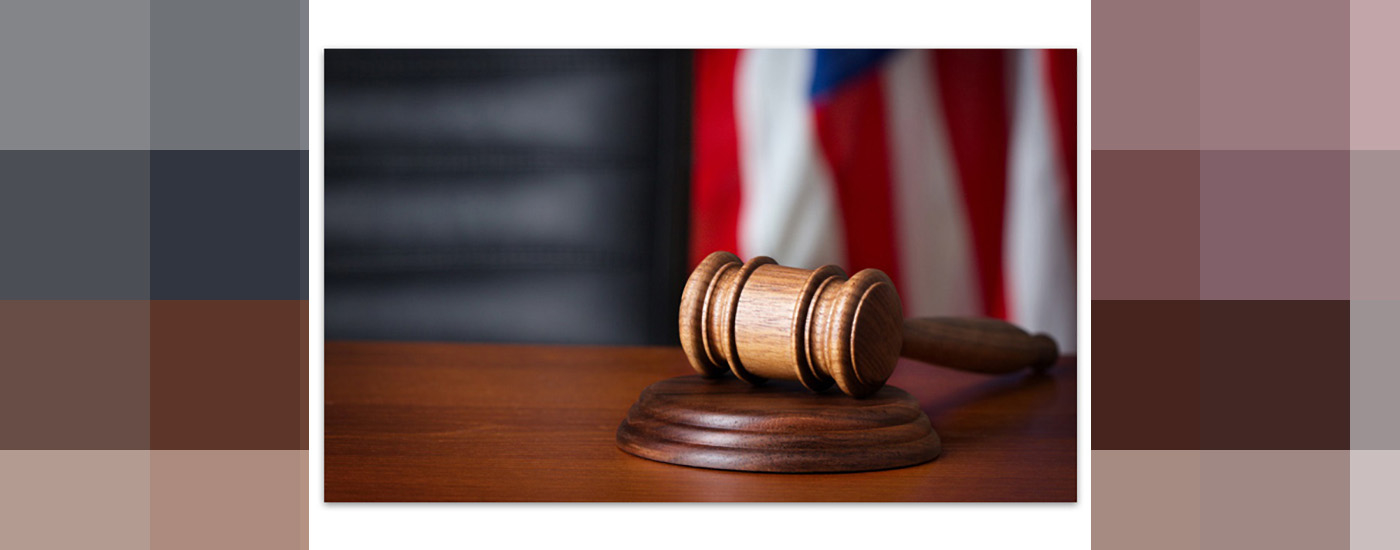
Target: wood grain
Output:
{"points": [[471, 423], [760, 321], [989, 346], [727, 424]]}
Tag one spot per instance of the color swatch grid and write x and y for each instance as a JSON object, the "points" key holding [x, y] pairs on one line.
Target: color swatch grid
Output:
{"points": [[1246, 282], [153, 291]]}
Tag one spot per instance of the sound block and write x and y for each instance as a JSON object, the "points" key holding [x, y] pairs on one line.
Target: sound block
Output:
{"points": [[727, 424]]}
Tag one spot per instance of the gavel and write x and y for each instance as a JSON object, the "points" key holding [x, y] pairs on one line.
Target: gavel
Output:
{"points": [[760, 321]]}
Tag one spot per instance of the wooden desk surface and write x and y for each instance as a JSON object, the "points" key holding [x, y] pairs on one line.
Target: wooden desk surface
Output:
{"points": [[472, 422]]}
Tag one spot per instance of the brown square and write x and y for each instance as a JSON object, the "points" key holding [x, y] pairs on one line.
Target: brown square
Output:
{"points": [[77, 374], [305, 374], [1147, 209], [1146, 380], [232, 500], [228, 374], [1275, 374]]}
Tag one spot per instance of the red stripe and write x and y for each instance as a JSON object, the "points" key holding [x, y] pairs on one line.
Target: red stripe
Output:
{"points": [[715, 180], [972, 84], [850, 125], [1062, 74]]}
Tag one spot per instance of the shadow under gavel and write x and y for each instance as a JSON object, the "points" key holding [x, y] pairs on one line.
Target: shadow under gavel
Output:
{"points": [[761, 320]]}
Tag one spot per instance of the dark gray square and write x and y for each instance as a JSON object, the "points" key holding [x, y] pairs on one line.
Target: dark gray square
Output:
{"points": [[225, 225], [226, 75], [75, 225], [305, 260]]}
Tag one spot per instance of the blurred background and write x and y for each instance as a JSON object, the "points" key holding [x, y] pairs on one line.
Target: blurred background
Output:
{"points": [[562, 196]]}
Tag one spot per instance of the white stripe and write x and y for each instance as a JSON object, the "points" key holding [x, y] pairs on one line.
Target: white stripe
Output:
{"points": [[1040, 273], [789, 209], [935, 246]]}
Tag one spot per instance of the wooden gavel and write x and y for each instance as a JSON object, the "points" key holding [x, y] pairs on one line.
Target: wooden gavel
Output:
{"points": [[761, 320]]}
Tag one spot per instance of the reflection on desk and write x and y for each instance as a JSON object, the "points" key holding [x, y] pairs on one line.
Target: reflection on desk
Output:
{"points": [[408, 422]]}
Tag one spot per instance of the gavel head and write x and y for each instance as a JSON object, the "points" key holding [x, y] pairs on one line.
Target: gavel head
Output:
{"points": [[761, 320]]}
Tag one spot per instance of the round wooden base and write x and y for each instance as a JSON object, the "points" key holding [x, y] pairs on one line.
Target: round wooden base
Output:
{"points": [[728, 424]]}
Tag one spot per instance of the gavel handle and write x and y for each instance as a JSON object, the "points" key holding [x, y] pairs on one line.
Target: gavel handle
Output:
{"points": [[976, 344]]}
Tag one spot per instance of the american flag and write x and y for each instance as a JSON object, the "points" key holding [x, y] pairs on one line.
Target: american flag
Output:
{"points": [[953, 171]]}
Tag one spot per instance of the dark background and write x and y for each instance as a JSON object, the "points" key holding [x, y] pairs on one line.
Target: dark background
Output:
{"points": [[506, 196]]}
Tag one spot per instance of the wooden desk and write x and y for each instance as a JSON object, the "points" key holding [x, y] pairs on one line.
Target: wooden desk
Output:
{"points": [[469, 422]]}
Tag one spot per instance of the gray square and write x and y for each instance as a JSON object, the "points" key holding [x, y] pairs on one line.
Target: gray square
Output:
{"points": [[1375, 374], [226, 75], [304, 82], [1374, 192], [75, 225], [1375, 482], [75, 74]]}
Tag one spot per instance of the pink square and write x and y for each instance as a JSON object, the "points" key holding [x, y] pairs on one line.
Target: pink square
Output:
{"points": [[1146, 74], [1274, 74], [1375, 75], [1274, 225]]}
